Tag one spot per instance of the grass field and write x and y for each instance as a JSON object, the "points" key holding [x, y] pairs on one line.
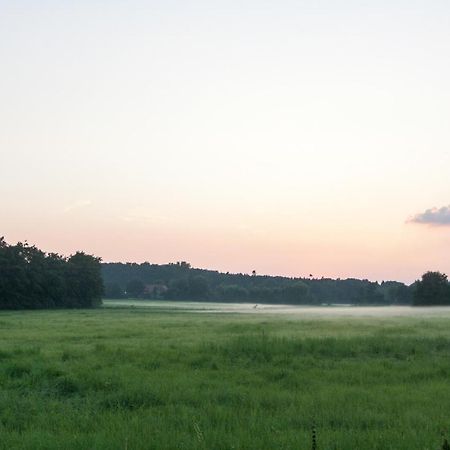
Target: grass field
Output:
{"points": [[131, 378]]}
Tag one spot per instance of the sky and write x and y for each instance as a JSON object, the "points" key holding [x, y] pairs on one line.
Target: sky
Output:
{"points": [[289, 137]]}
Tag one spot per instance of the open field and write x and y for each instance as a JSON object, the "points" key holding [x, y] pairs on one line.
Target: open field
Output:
{"points": [[161, 378]]}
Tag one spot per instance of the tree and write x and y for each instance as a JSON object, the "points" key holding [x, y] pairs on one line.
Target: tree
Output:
{"points": [[371, 294], [260, 288], [135, 288], [433, 289], [13, 276], [84, 283], [401, 295], [198, 288], [296, 293], [32, 279], [232, 292], [113, 290]]}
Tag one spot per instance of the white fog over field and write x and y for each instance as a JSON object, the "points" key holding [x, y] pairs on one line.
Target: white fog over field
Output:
{"points": [[296, 311]]}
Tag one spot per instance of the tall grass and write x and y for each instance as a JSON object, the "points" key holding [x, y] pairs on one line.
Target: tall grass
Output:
{"points": [[115, 379]]}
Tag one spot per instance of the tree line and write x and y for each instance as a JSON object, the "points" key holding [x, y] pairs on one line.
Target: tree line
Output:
{"points": [[180, 281], [33, 279]]}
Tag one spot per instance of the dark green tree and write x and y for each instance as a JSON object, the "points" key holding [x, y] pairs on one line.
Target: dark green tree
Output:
{"points": [[113, 290], [135, 288], [432, 289], [233, 293], [296, 293], [198, 288], [84, 281], [174, 280], [32, 279], [401, 295]]}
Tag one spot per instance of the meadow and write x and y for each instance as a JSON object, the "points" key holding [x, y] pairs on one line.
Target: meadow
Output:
{"points": [[161, 378]]}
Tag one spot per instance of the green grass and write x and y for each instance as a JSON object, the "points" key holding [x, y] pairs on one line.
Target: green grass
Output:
{"points": [[155, 379]]}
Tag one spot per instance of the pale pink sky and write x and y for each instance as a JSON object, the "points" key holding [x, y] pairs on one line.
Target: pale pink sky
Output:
{"points": [[288, 138]]}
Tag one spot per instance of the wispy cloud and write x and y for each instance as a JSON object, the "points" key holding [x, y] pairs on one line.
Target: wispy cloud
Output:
{"points": [[77, 205], [433, 216]]}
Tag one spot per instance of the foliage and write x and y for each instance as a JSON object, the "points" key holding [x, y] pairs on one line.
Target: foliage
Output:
{"points": [[432, 289], [135, 288], [182, 282], [192, 287], [113, 290], [32, 279]]}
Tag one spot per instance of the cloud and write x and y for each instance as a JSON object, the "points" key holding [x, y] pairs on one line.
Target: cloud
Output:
{"points": [[433, 216], [77, 205]]}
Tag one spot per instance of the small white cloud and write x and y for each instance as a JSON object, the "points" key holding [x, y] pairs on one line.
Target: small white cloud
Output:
{"points": [[433, 216]]}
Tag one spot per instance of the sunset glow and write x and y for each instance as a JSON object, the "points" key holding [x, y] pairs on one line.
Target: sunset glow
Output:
{"points": [[289, 138]]}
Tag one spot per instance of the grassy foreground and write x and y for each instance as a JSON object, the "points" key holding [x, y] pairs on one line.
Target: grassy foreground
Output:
{"points": [[152, 379]]}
